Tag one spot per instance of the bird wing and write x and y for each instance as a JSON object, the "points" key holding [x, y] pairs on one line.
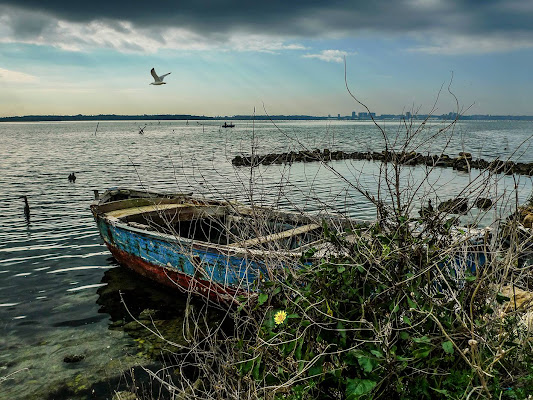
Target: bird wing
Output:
{"points": [[163, 76], [156, 78]]}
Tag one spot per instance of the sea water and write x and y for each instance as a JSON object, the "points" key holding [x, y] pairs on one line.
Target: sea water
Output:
{"points": [[61, 292]]}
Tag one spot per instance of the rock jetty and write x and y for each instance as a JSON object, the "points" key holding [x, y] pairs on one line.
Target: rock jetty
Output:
{"points": [[463, 162]]}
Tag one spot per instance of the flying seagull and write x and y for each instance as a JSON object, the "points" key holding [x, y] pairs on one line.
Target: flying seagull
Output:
{"points": [[158, 80]]}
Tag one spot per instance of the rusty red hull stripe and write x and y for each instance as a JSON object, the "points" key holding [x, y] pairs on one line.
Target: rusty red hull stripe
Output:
{"points": [[175, 279]]}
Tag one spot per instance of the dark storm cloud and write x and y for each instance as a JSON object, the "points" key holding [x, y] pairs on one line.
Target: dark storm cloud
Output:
{"points": [[26, 26], [296, 18]]}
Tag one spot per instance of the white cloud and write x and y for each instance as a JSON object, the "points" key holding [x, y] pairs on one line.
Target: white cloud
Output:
{"points": [[260, 43], [330, 55], [7, 75], [125, 37]]}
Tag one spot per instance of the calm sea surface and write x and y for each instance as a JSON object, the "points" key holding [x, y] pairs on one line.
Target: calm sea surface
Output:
{"points": [[59, 287]]}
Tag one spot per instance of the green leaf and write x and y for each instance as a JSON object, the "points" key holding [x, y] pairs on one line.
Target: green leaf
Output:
{"points": [[422, 352], [263, 297], [366, 363], [246, 367], [470, 278], [317, 368], [355, 388], [341, 269], [341, 329], [406, 320], [500, 298], [255, 371], [423, 339], [301, 366], [298, 350], [400, 358], [268, 323], [377, 353], [411, 303], [448, 347], [441, 391]]}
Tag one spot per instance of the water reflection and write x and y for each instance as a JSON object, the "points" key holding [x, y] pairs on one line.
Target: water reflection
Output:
{"points": [[153, 315], [124, 295]]}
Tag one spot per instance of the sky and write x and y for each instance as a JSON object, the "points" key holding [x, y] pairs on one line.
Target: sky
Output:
{"points": [[277, 57]]}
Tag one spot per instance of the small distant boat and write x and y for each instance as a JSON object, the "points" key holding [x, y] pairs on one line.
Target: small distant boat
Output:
{"points": [[226, 125], [217, 249]]}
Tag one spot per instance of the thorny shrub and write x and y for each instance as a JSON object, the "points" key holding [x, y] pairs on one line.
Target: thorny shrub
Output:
{"points": [[404, 308]]}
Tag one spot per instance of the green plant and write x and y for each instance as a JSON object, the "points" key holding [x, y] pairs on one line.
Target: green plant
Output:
{"points": [[379, 323]]}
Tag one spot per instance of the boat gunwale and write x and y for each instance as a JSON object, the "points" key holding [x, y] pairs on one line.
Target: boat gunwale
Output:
{"points": [[230, 249], [227, 250]]}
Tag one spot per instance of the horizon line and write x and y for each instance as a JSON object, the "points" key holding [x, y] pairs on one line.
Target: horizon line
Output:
{"points": [[363, 117]]}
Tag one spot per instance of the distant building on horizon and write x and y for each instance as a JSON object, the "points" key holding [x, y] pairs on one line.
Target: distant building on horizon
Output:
{"points": [[452, 115], [366, 115]]}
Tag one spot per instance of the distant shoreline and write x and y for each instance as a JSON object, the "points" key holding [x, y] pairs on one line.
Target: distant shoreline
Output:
{"points": [[183, 117]]}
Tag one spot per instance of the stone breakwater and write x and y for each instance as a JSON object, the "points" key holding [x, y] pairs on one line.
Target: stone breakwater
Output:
{"points": [[463, 162]]}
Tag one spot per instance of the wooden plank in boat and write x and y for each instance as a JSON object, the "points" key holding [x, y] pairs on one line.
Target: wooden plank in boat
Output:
{"points": [[126, 212], [275, 236]]}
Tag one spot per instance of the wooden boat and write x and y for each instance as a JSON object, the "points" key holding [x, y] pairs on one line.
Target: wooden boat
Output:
{"points": [[218, 249], [223, 250], [226, 125]]}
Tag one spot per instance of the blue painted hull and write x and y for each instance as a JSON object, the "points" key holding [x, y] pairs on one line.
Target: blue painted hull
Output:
{"points": [[195, 268]]}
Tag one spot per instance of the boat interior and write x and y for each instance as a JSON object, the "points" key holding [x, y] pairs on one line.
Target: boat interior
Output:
{"points": [[215, 222]]}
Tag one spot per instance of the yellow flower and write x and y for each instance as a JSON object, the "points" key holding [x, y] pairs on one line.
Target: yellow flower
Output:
{"points": [[280, 317]]}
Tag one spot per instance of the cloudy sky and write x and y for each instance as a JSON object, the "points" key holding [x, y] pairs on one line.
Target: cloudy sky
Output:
{"points": [[285, 57]]}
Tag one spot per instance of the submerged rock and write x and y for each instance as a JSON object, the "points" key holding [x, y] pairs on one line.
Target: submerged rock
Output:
{"points": [[465, 155], [116, 324], [147, 314], [528, 221], [483, 203], [458, 205], [73, 358]]}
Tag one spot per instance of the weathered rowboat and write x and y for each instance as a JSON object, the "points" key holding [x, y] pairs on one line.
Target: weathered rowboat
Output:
{"points": [[218, 249], [223, 250]]}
